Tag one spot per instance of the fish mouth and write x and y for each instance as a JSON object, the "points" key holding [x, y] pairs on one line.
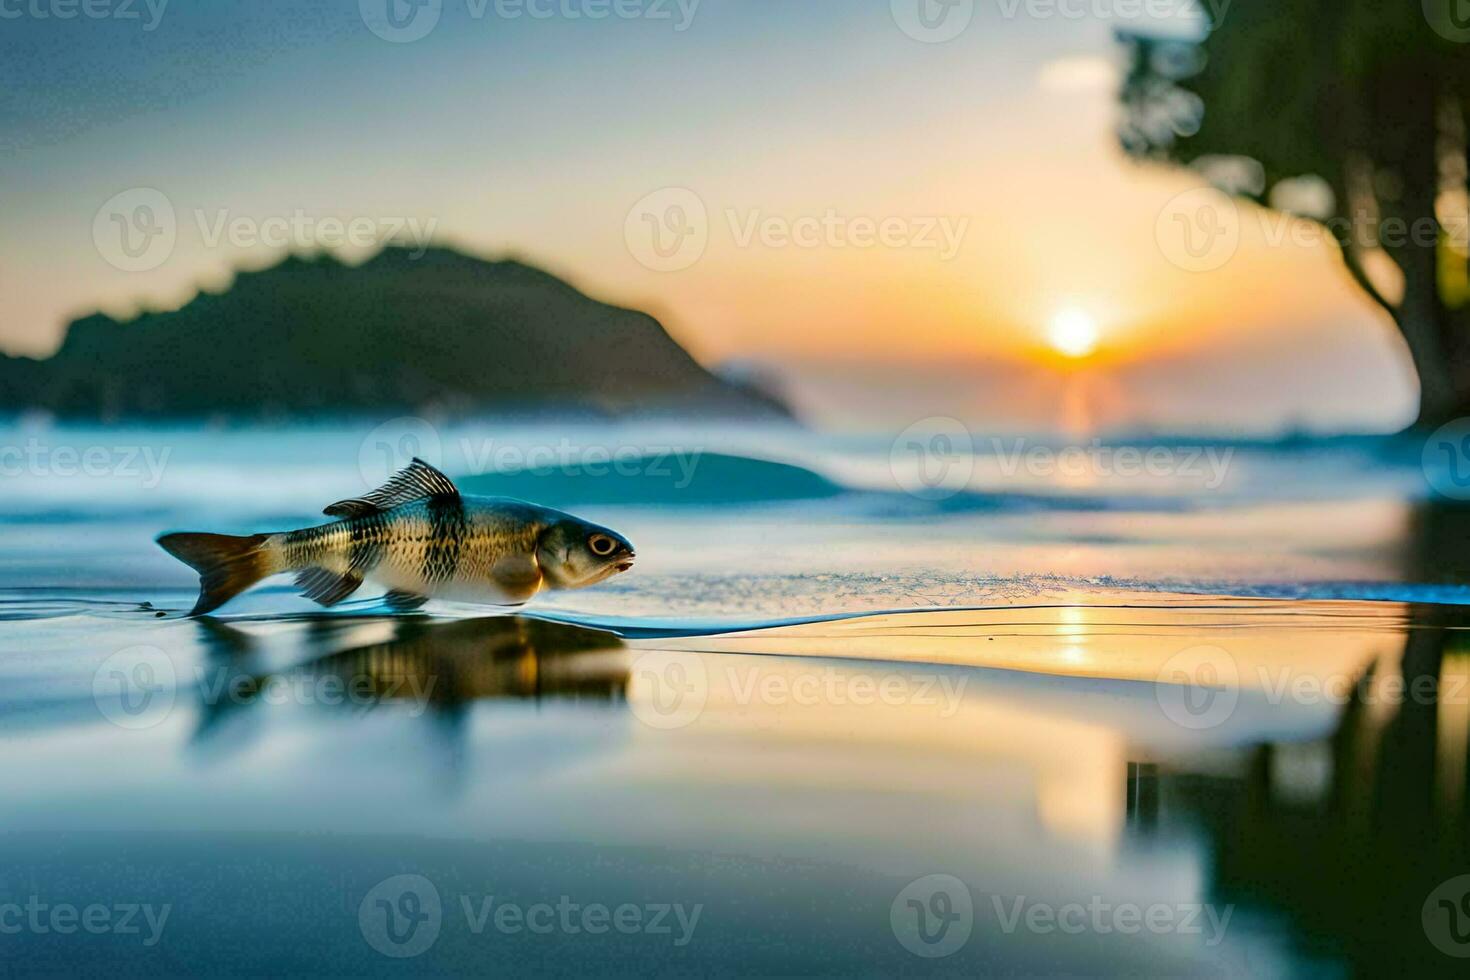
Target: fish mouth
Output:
{"points": [[625, 564]]}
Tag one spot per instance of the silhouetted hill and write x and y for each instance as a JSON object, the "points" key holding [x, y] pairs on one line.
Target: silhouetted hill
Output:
{"points": [[445, 332]]}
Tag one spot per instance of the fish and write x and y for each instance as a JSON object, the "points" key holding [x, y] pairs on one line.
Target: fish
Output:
{"points": [[418, 537]]}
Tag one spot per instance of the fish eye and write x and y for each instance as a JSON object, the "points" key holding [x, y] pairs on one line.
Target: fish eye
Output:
{"points": [[602, 545]]}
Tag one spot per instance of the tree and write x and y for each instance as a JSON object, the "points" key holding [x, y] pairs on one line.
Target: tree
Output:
{"points": [[1370, 97]]}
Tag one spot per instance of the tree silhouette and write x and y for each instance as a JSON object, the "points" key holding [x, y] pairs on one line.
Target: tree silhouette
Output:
{"points": [[1368, 97]]}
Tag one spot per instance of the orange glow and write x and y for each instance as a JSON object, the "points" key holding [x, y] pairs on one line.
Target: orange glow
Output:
{"points": [[1073, 333]]}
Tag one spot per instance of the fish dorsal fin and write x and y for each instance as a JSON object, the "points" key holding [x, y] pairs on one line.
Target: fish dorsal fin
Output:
{"points": [[415, 481]]}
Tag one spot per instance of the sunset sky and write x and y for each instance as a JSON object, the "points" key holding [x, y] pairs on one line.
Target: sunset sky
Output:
{"points": [[505, 133]]}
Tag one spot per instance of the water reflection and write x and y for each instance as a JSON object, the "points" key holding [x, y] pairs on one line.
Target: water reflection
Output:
{"points": [[437, 670], [1026, 751], [1347, 838], [1332, 836]]}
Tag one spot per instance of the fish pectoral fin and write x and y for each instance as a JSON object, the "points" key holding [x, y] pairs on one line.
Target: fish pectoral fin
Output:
{"points": [[415, 481], [327, 587], [401, 601], [517, 579]]}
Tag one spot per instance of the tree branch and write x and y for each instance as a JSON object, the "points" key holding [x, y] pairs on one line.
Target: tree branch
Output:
{"points": [[1360, 276]]}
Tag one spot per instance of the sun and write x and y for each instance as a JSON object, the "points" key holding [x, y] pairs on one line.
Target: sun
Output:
{"points": [[1073, 333]]}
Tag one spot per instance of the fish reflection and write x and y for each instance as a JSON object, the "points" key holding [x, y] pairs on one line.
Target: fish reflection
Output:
{"points": [[432, 669]]}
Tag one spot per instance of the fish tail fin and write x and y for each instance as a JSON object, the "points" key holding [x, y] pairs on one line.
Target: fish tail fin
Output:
{"points": [[227, 564]]}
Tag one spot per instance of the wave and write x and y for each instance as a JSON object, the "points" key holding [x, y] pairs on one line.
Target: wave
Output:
{"points": [[672, 478], [1056, 592], [204, 472]]}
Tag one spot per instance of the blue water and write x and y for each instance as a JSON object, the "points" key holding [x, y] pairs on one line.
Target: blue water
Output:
{"points": [[356, 792], [764, 523]]}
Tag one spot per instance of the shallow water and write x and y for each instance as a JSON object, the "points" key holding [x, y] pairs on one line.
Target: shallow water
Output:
{"points": [[870, 733]]}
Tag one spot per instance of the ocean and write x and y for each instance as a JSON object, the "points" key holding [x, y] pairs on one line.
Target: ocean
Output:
{"points": [[947, 703]]}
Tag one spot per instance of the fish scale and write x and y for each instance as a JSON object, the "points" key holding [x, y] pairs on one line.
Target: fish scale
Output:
{"points": [[422, 545]]}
